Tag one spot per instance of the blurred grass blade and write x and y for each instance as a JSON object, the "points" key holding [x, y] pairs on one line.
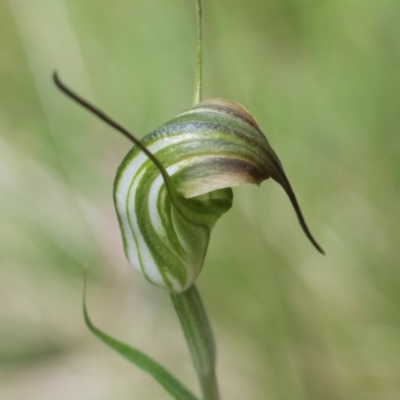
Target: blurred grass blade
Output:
{"points": [[141, 360]]}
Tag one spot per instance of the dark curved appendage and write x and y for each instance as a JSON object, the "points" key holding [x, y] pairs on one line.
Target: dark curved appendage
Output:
{"points": [[278, 175]]}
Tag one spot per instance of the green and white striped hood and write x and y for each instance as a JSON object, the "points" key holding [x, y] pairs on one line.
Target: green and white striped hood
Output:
{"points": [[166, 224]]}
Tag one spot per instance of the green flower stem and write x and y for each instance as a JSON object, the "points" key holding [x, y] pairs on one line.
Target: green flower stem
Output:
{"points": [[199, 337], [198, 90]]}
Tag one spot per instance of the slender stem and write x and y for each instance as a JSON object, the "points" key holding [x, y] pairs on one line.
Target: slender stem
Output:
{"points": [[198, 90], [199, 337]]}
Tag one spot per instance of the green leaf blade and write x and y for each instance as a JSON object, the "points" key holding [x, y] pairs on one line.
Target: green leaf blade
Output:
{"points": [[138, 358]]}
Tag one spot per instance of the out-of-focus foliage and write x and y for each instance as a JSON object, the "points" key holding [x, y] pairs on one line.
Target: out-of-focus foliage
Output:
{"points": [[321, 78]]}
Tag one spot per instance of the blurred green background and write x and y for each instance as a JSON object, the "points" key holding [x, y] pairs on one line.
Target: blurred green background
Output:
{"points": [[322, 78]]}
